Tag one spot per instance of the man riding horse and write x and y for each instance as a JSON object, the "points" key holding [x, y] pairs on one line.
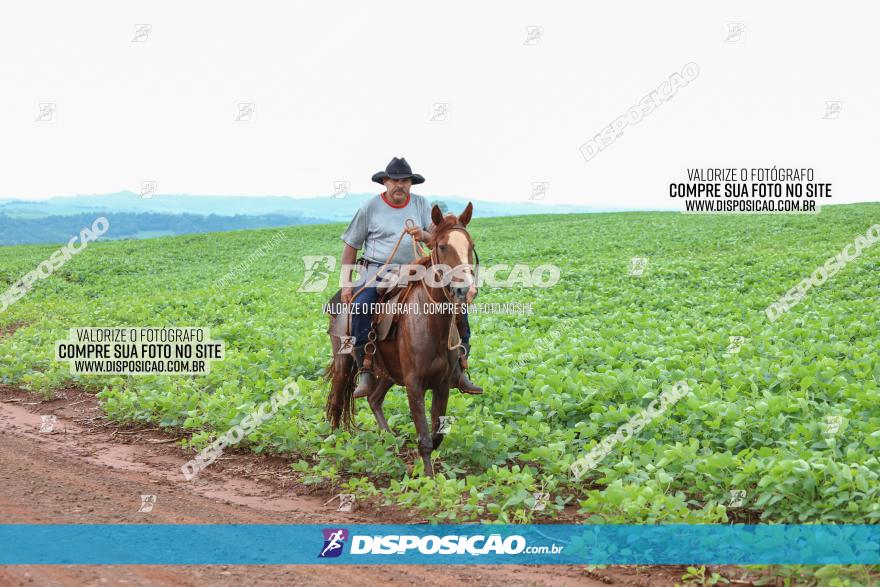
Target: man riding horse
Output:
{"points": [[376, 227]]}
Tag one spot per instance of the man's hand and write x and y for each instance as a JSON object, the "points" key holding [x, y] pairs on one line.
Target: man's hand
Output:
{"points": [[418, 234], [347, 292]]}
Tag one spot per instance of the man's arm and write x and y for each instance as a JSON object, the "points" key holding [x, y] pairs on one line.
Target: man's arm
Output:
{"points": [[354, 237], [349, 256]]}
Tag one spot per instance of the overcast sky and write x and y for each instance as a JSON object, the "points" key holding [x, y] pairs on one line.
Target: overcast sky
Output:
{"points": [[339, 88]]}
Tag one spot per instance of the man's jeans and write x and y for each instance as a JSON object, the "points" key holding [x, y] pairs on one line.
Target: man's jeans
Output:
{"points": [[361, 319]]}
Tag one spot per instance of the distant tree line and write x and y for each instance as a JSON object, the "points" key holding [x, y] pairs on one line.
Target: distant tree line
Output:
{"points": [[60, 229]]}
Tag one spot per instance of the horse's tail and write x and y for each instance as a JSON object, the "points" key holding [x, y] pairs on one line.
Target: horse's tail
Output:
{"points": [[329, 370], [340, 408]]}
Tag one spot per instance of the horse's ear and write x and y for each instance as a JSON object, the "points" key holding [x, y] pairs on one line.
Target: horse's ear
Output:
{"points": [[436, 215], [465, 216]]}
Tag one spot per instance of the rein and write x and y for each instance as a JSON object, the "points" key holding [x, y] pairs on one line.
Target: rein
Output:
{"points": [[410, 223]]}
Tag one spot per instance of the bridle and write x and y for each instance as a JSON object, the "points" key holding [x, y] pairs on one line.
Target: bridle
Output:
{"points": [[435, 258]]}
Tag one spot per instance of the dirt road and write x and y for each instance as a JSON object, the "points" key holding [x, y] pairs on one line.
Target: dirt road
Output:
{"points": [[88, 470]]}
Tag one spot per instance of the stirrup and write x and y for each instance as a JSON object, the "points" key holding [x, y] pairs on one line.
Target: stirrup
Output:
{"points": [[366, 381], [465, 385]]}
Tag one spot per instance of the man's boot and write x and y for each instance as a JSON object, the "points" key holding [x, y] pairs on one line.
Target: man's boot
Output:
{"points": [[464, 383], [366, 379]]}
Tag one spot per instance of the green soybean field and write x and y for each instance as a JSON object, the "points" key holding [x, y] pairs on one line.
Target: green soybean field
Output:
{"points": [[780, 422]]}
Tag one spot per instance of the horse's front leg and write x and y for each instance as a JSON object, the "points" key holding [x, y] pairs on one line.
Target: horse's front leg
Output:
{"points": [[376, 399], [439, 399], [416, 396]]}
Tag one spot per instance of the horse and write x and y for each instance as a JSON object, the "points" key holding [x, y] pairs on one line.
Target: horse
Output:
{"points": [[419, 357]]}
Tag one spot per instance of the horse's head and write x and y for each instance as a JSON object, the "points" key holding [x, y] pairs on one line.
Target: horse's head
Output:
{"points": [[451, 245]]}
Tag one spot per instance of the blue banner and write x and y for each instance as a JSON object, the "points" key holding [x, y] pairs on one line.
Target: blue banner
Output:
{"points": [[251, 544]]}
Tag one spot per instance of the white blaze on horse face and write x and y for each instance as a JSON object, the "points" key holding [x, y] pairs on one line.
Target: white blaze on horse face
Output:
{"points": [[459, 243]]}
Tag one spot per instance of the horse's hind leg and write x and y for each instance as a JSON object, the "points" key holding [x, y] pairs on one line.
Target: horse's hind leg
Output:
{"points": [[376, 399], [439, 399], [416, 396]]}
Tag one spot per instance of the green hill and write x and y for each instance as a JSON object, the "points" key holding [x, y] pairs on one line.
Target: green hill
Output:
{"points": [[124, 225], [54, 220], [330, 209]]}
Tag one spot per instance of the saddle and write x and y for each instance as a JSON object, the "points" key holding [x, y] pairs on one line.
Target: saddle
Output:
{"points": [[383, 323]]}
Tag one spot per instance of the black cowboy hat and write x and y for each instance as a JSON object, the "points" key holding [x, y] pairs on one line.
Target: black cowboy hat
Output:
{"points": [[398, 169]]}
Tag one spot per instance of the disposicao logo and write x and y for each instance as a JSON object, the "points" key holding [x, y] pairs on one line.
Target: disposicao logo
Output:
{"points": [[473, 545], [334, 539]]}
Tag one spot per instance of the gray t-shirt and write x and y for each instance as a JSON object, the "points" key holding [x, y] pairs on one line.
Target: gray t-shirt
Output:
{"points": [[377, 226]]}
